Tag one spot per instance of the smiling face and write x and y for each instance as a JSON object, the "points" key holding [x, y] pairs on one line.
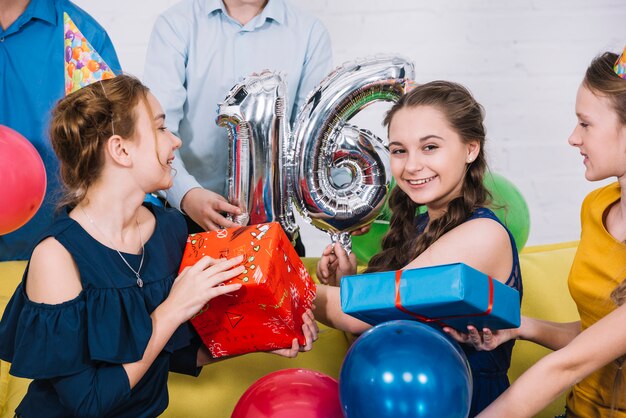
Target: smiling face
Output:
{"points": [[155, 145], [600, 136], [428, 157]]}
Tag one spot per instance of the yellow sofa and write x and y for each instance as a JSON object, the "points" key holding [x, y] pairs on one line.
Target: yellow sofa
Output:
{"points": [[216, 391]]}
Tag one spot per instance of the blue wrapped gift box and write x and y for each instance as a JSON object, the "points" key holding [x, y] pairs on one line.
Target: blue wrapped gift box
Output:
{"points": [[455, 295]]}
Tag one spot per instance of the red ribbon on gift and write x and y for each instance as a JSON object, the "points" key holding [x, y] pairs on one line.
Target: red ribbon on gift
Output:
{"points": [[438, 321]]}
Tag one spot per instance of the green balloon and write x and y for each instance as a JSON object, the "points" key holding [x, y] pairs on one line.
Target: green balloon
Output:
{"points": [[508, 204], [367, 245]]}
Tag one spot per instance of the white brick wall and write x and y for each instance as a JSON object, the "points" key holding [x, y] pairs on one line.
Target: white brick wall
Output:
{"points": [[522, 59]]}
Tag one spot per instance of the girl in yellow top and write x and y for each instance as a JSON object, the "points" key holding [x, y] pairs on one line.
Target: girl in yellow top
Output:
{"points": [[591, 351]]}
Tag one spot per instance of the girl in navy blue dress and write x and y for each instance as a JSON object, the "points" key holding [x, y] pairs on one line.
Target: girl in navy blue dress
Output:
{"points": [[101, 315], [436, 144]]}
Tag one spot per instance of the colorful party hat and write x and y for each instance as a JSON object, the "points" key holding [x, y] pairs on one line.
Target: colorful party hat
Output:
{"points": [[83, 65], [620, 65]]}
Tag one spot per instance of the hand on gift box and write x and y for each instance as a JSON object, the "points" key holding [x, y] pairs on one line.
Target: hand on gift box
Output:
{"points": [[310, 330], [486, 340], [198, 284], [334, 264]]}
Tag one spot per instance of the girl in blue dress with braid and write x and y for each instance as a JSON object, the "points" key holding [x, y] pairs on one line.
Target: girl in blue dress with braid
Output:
{"points": [[436, 144], [101, 315]]}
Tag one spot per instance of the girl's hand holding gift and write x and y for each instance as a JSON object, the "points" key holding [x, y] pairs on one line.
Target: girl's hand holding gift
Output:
{"points": [[310, 330], [486, 340]]}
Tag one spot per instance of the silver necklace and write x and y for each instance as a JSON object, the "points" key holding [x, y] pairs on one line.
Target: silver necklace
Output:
{"points": [[143, 252]]}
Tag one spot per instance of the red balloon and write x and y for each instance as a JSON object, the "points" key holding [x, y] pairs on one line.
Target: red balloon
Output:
{"points": [[291, 393], [22, 180]]}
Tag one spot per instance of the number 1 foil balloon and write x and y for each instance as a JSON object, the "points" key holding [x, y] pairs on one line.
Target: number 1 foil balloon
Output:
{"points": [[340, 173], [254, 115]]}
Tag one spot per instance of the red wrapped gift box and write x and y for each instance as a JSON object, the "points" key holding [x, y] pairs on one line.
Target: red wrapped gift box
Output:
{"points": [[266, 313]]}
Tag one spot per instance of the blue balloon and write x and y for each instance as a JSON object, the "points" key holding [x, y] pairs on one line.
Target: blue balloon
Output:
{"points": [[405, 369]]}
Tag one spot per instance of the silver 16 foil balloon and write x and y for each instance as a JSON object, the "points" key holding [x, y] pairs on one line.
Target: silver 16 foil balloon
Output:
{"points": [[254, 113], [338, 173]]}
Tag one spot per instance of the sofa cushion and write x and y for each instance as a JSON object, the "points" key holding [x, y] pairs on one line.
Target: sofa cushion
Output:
{"points": [[545, 269]]}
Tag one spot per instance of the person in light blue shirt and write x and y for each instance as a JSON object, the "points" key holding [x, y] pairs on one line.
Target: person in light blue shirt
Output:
{"points": [[199, 49], [31, 81]]}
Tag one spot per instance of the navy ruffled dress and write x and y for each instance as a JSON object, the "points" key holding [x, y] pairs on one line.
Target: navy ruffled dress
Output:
{"points": [[74, 351], [489, 368]]}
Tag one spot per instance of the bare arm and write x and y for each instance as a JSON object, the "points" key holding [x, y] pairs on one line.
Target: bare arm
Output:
{"points": [[328, 311], [52, 274], [593, 348], [552, 335], [482, 244]]}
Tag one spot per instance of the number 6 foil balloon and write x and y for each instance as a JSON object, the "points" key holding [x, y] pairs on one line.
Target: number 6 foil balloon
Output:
{"points": [[254, 115], [339, 173]]}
